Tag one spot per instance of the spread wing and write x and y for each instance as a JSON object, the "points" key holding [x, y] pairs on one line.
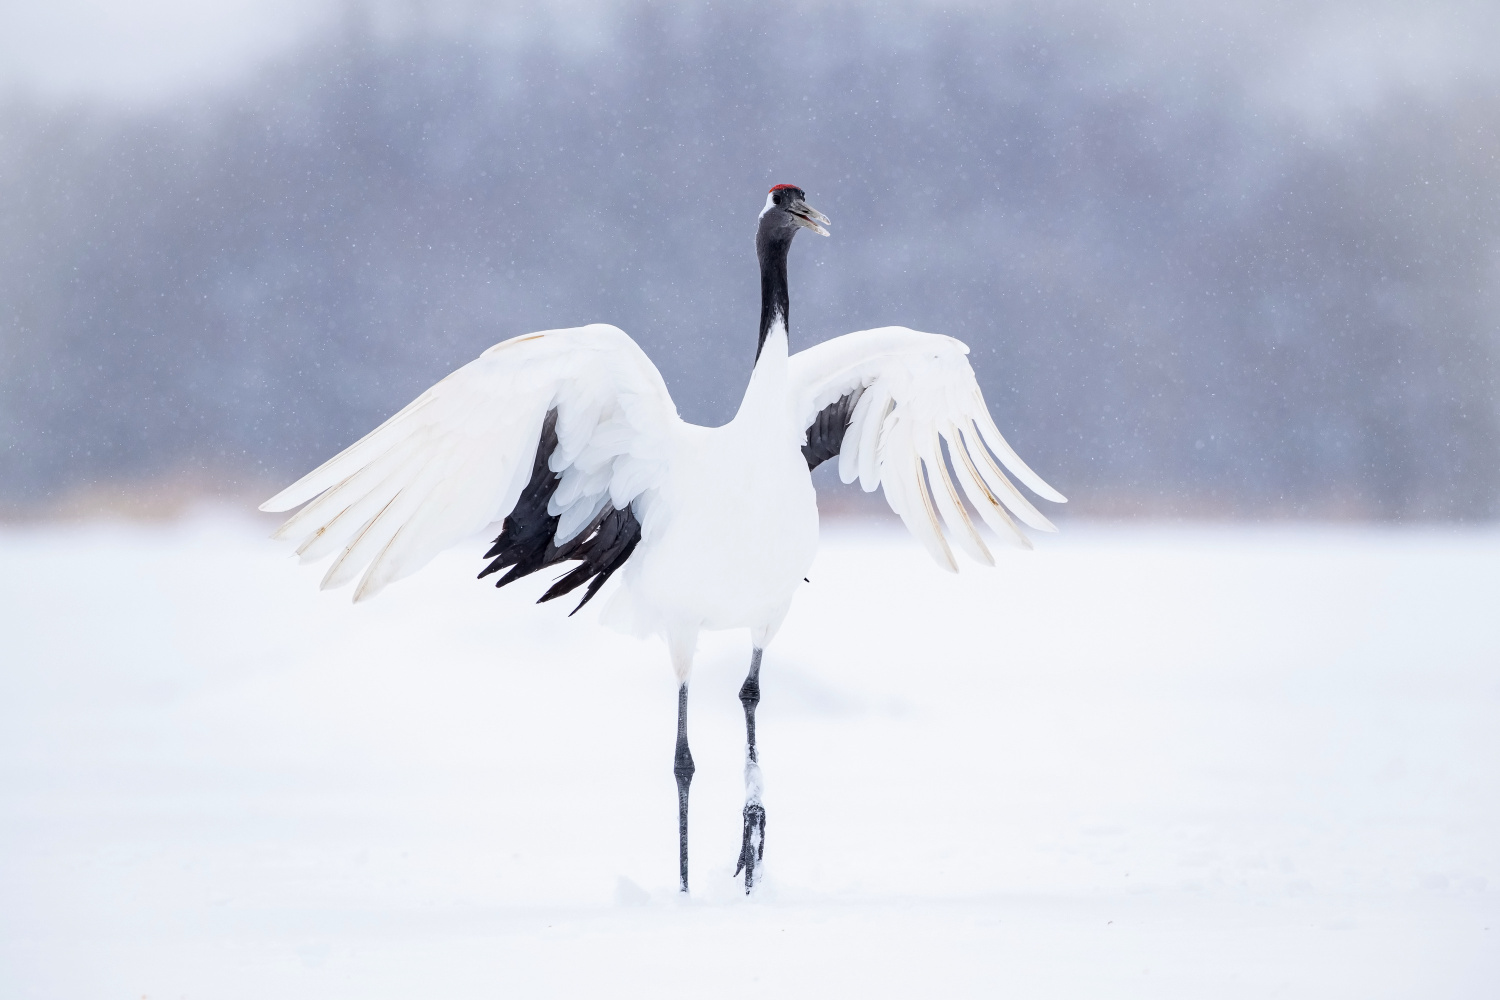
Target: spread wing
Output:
{"points": [[888, 403], [557, 433]]}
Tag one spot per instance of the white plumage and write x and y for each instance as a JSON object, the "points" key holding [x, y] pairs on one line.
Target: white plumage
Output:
{"points": [[456, 458], [454, 461], [919, 390]]}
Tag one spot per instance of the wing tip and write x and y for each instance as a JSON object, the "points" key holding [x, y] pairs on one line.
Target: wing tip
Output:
{"points": [[294, 495], [1040, 523]]}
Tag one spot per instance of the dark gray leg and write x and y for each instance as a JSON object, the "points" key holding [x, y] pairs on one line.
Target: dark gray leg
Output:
{"points": [[753, 847], [682, 767]]}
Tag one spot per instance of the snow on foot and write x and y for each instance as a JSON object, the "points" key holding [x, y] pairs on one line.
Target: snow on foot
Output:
{"points": [[753, 847]]}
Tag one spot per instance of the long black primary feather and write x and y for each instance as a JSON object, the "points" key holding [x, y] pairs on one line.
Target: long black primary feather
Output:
{"points": [[525, 543]]}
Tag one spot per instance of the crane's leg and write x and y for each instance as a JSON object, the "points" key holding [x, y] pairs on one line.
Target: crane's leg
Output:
{"points": [[753, 847], [682, 767]]}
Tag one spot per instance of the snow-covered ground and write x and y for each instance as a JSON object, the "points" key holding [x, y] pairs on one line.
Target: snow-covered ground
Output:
{"points": [[1138, 762]]}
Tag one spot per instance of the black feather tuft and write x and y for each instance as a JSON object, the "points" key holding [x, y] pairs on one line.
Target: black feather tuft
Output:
{"points": [[825, 437], [525, 544]]}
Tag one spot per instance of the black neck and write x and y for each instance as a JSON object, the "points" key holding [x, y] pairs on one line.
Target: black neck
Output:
{"points": [[771, 248]]}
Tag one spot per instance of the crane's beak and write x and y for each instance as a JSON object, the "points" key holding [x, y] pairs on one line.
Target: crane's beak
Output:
{"points": [[808, 217]]}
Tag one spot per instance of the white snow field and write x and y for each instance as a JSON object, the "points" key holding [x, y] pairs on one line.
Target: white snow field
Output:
{"points": [[1137, 762]]}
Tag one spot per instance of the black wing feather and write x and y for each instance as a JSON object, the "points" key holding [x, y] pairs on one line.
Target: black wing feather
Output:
{"points": [[825, 436], [525, 544]]}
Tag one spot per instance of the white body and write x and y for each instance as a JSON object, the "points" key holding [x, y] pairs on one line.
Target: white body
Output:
{"points": [[729, 520], [695, 568]]}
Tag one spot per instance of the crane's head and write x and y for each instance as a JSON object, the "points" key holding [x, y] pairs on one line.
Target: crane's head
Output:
{"points": [[786, 210]]}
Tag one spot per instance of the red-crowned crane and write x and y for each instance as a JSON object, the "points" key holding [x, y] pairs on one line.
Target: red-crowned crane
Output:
{"points": [[570, 438]]}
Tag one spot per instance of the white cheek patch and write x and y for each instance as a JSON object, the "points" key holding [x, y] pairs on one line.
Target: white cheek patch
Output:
{"points": [[770, 204]]}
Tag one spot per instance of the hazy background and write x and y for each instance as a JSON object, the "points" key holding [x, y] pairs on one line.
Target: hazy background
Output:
{"points": [[1230, 262], [1224, 260]]}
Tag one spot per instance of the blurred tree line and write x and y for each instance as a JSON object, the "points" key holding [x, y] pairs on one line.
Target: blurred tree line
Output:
{"points": [[1180, 298]]}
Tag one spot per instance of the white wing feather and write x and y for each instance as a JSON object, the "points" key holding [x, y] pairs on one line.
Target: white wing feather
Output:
{"points": [[920, 400], [458, 456]]}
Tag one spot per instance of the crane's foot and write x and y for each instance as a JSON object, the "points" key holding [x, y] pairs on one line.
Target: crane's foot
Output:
{"points": [[753, 847]]}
